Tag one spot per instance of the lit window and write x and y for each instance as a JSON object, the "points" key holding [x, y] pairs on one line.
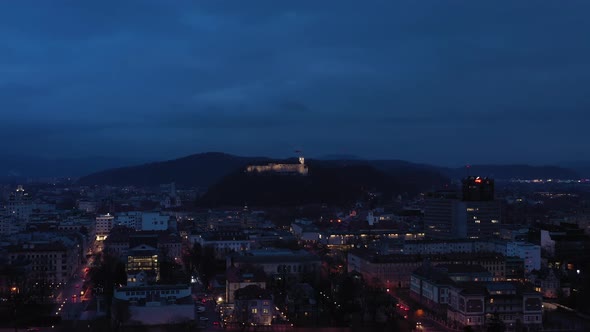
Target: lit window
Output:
{"points": [[254, 310]]}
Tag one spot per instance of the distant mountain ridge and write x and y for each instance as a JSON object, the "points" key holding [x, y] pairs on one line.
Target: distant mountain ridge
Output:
{"points": [[582, 167], [196, 170], [206, 169], [13, 166], [507, 172]]}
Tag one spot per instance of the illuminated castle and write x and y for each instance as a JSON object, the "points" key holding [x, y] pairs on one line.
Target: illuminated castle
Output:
{"points": [[287, 169]]}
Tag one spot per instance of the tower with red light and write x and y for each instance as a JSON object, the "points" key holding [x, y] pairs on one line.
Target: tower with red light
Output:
{"points": [[478, 189]]}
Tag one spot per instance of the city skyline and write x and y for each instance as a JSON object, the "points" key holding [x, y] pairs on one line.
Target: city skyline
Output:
{"points": [[432, 82]]}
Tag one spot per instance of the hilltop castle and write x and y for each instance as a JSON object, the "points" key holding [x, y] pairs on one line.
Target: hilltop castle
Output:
{"points": [[287, 169]]}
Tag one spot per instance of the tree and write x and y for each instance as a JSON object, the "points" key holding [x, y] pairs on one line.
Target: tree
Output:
{"points": [[121, 313], [495, 324], [104, 277], [468, 328], [208, 265]]}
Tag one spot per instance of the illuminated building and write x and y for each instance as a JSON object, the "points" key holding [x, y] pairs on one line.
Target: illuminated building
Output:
{"points": [[287, 169], [143, 258], [104, 224]]}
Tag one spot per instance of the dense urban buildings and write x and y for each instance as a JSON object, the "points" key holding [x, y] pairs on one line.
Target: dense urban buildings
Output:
{"points": [[441, 258]]}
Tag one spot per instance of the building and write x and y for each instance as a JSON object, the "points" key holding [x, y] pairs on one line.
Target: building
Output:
{"points": [[474, 214], [430, 286], [470, 301], [131, 219], [143, 258], [51, 262], [104, 224], [396, 270], [87, 206], [237, 278], [10, 225], [169, 198], [154, 304], [477, 189], [284, 169], [224, 242], [440, 214], [20, 204], [546, 282], [154, 221], [253, 306], [530, 253], [294, 264], [122, 238]]}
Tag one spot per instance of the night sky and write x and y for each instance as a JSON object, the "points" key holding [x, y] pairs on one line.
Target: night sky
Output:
{"points": [[445, 82]]}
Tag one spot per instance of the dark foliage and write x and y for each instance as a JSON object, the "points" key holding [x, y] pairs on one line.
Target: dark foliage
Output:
{"points": [[332, 185]]}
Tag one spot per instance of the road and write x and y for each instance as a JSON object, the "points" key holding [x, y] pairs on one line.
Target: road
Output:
{"points": [[72, 299]]}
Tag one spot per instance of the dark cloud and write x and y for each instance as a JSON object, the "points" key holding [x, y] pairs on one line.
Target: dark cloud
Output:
{"points": [[422, 80]]}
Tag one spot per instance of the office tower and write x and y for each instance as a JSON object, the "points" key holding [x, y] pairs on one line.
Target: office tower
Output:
{"points": [[473, 214]]}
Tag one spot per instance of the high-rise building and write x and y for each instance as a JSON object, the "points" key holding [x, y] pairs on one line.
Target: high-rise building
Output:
{"points": [[20, 205], [477, 189], [440, 214], [474, 214], [104, 224]]}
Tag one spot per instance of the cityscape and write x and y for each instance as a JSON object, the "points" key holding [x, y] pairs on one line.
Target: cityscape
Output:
{"points": [[476, 253], [294, 166]]}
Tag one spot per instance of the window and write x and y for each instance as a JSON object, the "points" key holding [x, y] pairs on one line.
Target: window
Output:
{"points": [[265, 311], [254, 310]]}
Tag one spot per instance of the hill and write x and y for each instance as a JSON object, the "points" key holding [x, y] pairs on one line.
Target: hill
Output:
{"points": [[326, 183], [23, 167], [581, 167], [206, 169], [196, 170]]}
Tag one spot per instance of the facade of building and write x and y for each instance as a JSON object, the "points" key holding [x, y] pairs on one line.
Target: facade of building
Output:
{"points": [[154, 221], [224, 242], [144, 258], [20, 204], [253, 306], [51, 262], [104, 224], [155, 304], [396, 270], [530, 253], [239, 278], [468, 300], [298, 264], [475, 213], [131, 219]]}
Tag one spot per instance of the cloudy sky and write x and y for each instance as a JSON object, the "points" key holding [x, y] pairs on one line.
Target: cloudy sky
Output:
{"points": [[447, 82]]}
